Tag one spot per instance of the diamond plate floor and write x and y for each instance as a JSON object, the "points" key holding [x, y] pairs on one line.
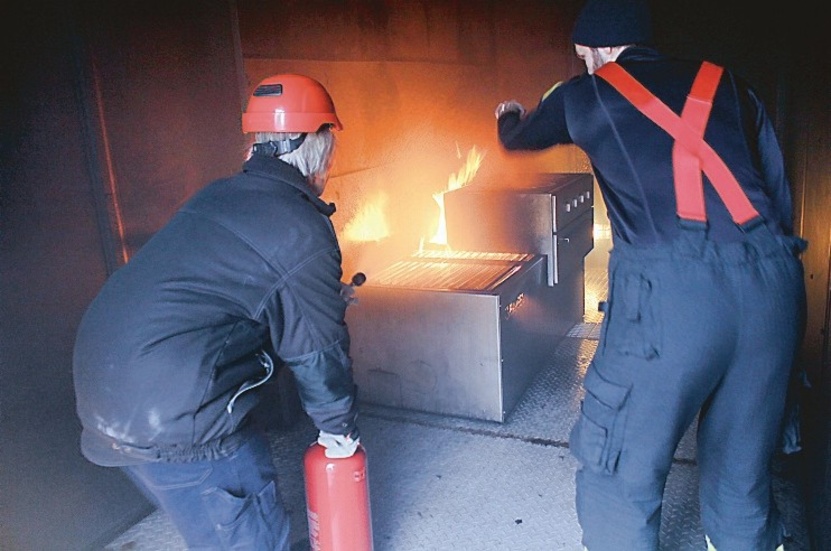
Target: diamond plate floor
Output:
{"points": [[440, 483]]}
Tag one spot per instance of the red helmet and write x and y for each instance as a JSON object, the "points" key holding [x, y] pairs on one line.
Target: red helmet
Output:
{"points": [[289, 103]]}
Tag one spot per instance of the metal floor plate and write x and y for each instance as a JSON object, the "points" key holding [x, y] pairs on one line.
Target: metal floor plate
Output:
{"points": [[441, 483]]}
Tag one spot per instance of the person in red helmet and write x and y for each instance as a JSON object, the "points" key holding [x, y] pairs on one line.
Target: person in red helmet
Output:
{"points": [[706, 297], [246, 277]]}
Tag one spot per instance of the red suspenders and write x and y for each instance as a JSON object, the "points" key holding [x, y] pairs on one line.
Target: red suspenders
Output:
{"points": [[690, 153]]}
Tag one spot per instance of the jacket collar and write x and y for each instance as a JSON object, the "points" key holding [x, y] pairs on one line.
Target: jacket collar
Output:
{"points": [[273, 168], [639, 53]]}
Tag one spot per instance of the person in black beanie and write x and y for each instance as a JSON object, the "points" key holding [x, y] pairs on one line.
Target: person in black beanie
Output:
{"points": [[705, 307]]}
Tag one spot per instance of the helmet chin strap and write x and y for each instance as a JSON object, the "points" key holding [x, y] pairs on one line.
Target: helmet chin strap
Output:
{"points": [[275, 148]]}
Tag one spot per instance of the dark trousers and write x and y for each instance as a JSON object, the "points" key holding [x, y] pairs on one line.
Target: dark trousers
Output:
{"points": [[227, 503], [693, 328]]}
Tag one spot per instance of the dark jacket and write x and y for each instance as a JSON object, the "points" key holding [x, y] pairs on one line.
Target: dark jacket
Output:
{"points": [[166, 351], [632, 157]]}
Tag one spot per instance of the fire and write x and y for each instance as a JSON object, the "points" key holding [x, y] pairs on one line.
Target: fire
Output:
{"points": [[370, 223], [456, 181]]}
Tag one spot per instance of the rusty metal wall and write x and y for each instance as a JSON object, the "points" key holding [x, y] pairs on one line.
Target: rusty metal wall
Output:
{"points": [[134, 102], [165, 94], [809, 156]]}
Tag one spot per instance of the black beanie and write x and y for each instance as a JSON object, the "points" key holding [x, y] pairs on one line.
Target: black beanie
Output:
{"points": [[613, 23]]}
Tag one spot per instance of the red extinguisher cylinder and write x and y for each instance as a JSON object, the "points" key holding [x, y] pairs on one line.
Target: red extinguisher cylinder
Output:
{"points": [[337, 501]]}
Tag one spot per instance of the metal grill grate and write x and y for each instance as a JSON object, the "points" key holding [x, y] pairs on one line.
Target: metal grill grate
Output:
{"points": [[462, 272], [473, 255]]}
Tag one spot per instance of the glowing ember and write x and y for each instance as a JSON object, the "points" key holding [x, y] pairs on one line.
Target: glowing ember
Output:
{"points": [[370, 224], [460, 179]]}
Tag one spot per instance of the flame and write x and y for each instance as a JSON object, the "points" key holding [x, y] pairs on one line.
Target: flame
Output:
{"points": [[456, 181], [370, 223]]}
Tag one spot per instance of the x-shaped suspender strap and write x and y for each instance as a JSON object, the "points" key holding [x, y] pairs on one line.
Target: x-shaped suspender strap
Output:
{"points": [[690, 153]]}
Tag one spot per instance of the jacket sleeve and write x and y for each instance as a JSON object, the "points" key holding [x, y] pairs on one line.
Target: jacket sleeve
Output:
{"points": [[541, 128], [327, 391], [308, 332], [772, 165]]}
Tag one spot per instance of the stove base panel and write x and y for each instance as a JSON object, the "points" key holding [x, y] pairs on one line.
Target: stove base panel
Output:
{"points": [[463, 353]]}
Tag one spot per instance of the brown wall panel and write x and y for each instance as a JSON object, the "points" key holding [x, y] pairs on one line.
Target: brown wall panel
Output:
{"points": [[809, 153], [152, 91], [164, 74], [51, 265]]}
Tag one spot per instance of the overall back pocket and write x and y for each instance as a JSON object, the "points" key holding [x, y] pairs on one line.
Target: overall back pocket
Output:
{"points": [[631, 328]]}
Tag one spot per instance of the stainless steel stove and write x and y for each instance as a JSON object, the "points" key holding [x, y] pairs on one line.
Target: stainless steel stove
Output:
{"points": [[464, 332]]}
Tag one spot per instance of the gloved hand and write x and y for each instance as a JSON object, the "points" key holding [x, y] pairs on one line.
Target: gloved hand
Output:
{"points": [[338, 445], [347, 293], [509, 106], [347, 290]]}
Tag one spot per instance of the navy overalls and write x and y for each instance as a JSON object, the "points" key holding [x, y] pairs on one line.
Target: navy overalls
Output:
{"points": [[691, 327]]}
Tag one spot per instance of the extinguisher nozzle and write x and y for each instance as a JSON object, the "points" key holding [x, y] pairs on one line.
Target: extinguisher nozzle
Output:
{"points": [[358, 279]]}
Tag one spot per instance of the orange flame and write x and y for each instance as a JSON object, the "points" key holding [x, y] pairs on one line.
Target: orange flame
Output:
{"points": [[370, 223], [456, 181]]}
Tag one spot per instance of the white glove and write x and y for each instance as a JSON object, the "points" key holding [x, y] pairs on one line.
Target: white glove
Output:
{"points": [[509, 106], [338, 445], [347, 293]]}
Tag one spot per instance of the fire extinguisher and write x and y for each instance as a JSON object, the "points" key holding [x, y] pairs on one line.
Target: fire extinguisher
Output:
{"points": [[337, 501]]}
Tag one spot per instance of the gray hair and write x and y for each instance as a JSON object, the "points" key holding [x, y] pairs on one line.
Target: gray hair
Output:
{"points": [[314, 154]]}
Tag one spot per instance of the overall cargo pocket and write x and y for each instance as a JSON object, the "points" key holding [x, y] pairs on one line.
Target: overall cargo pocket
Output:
{"points": [[597, 437], [249, 522]]}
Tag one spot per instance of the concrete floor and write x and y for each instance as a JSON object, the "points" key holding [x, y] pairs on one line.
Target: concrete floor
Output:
{"points": [[442, 483]]}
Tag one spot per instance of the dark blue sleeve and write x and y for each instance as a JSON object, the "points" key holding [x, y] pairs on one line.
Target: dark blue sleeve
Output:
{"points": [[327, 392], [306, 316], [772, 166], [541, 128]]}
